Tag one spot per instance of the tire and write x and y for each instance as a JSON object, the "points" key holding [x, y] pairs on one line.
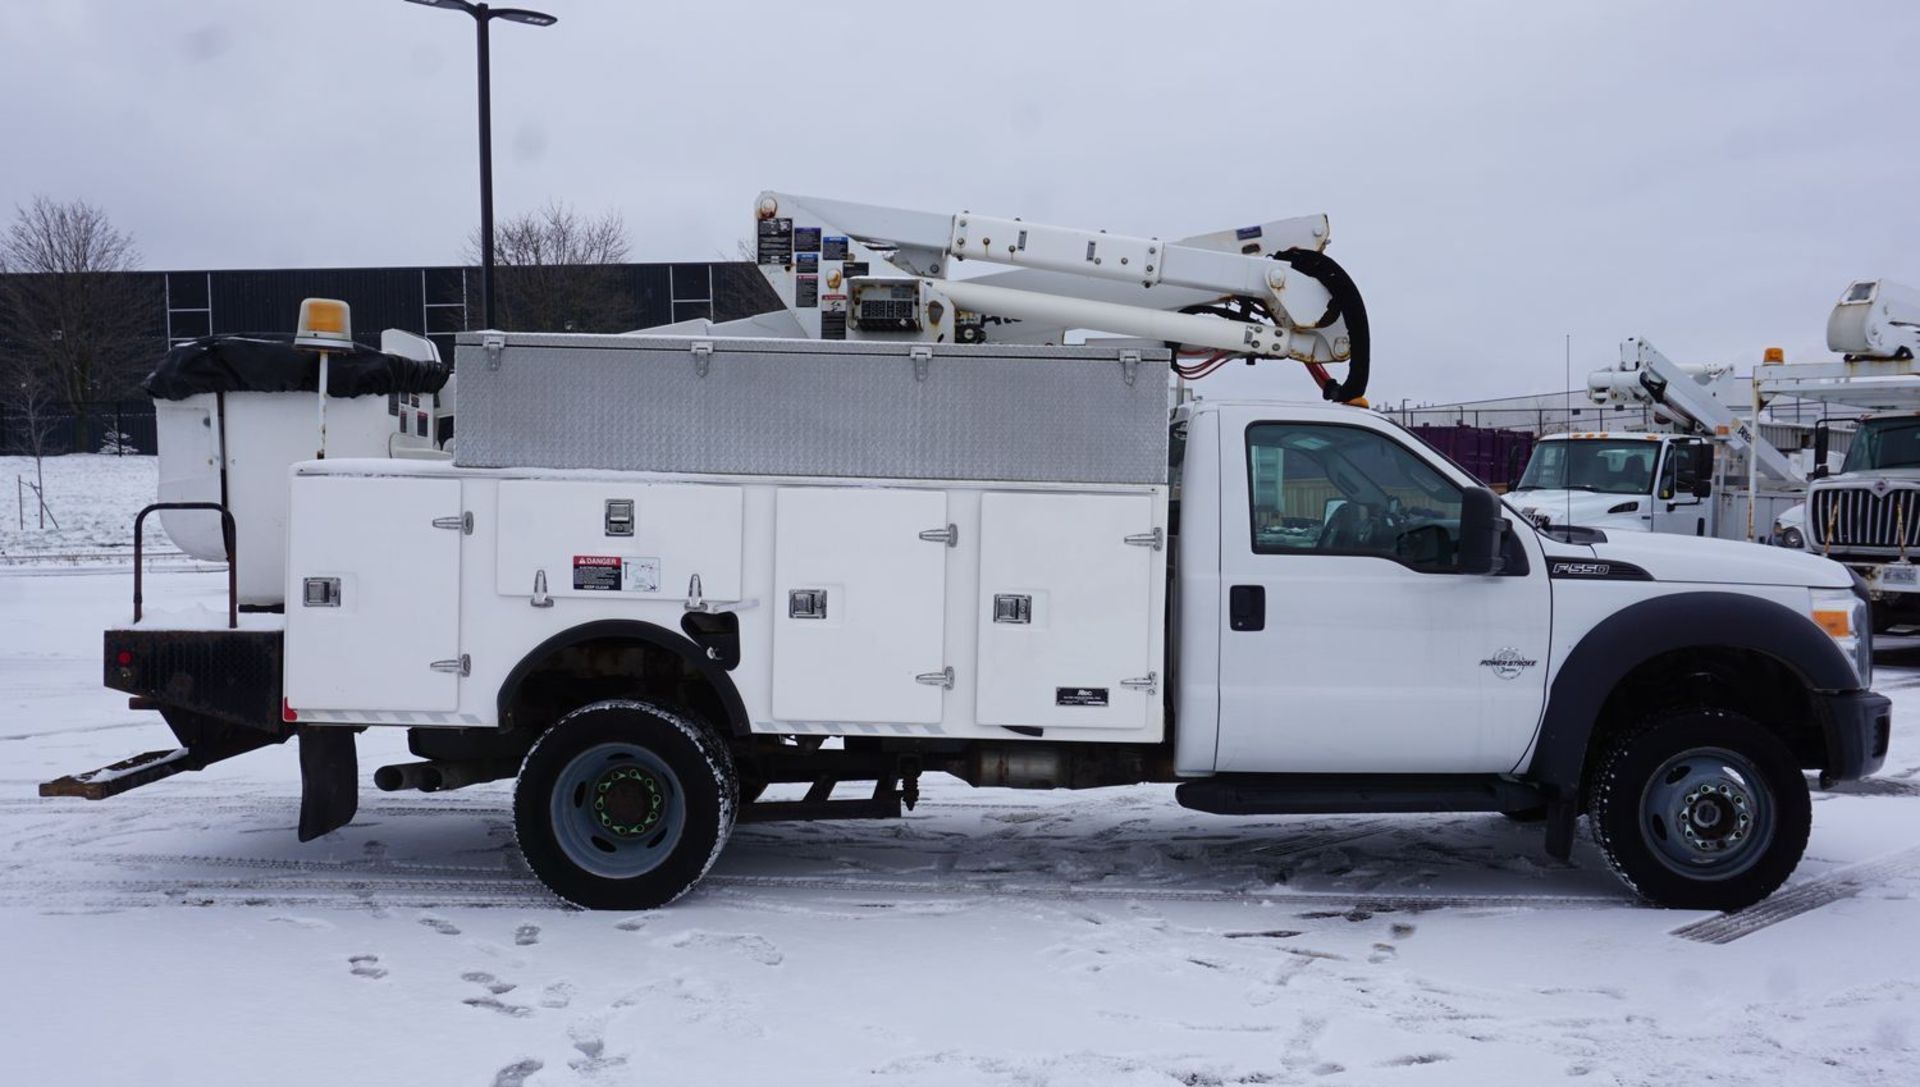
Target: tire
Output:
{"points": [[1701, 809], [624, 805]]}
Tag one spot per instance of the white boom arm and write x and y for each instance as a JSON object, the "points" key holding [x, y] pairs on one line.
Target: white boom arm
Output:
{"points": [[1645, 376], [857, 271]]}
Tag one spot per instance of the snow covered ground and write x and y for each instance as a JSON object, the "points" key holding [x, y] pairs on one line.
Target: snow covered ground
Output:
{"points": [[180, 935], [92, 499]]}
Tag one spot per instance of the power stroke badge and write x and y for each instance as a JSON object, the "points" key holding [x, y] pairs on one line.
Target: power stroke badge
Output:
{"points": [[1508, 663]]}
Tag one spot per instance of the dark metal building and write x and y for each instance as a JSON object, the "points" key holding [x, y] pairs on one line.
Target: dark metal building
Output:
{"points": [[434, 301], [438, 302]]}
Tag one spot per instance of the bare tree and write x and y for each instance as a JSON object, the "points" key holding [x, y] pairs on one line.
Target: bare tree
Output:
{"points": [[32, 406], [67, 308], [552, 270]]}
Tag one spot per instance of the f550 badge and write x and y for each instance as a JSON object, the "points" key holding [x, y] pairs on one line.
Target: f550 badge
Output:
{"points": [[1508, 663]]}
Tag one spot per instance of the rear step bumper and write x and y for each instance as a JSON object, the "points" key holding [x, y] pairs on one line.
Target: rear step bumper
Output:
{"points": [[219, 691], [228, 675]]}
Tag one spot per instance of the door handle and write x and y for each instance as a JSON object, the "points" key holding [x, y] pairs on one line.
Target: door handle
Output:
{"points": [[1247, 607]]}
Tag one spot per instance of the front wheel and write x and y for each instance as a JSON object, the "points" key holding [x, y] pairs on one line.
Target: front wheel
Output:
{"points": [[624, 805], [1701, 809]]}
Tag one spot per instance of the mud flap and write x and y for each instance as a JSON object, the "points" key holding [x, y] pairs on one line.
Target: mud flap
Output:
{"points": [[329, 779], [1562, 814]]}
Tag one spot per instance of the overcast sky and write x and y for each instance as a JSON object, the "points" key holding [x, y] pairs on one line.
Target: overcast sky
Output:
{"points": [[1706, 175]]}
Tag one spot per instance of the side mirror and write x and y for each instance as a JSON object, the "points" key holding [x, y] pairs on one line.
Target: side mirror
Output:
{"points": [[1482, 531], [1822, 438], [1703, 470]]}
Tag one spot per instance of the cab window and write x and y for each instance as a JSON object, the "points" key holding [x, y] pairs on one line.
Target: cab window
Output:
{"points": [[1319, 488]]}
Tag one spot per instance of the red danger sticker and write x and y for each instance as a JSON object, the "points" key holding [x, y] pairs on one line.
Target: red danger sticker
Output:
{"points": [[601, 572]]}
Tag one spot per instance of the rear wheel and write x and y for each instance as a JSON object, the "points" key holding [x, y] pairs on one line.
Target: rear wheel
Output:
{"points": [[1701, 809], [624, 805]]}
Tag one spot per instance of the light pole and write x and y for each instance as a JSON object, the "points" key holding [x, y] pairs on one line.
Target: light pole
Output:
{"points": [[482, 15]]}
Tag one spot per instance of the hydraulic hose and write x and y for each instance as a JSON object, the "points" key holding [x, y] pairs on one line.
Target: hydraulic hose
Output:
{"points": [[1344, 302]]}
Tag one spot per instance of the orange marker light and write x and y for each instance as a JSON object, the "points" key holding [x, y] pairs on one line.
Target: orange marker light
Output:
{"points": [[1837, 624], [325, 323]]}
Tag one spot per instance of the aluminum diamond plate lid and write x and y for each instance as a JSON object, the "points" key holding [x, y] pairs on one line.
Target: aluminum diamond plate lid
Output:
{"points": [[783, 407]]}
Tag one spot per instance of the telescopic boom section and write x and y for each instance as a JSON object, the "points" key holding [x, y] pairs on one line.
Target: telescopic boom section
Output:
{"points": [[857, 271]]}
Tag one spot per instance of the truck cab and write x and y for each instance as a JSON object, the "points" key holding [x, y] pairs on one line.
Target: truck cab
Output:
{"points": [[1623, 481], [1867, 514]]}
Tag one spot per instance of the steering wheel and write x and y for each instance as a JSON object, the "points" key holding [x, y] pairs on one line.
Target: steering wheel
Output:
{"points": [[1343, 529]]}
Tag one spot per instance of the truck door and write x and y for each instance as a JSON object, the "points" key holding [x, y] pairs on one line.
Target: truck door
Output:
{"points": [[1350, 642], [1676, 508]]}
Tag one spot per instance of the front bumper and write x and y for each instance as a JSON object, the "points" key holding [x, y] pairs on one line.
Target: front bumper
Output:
{"points": [[1884, 578], [1857, 725]]}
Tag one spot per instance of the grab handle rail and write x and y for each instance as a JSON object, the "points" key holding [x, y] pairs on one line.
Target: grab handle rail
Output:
{"points": [[227, 533]]}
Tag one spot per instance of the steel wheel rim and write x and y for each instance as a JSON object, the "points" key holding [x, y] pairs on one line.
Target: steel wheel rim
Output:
{"points": [[1708, 814], [618, 810]]}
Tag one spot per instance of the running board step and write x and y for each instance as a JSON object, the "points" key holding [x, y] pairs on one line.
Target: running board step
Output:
{"points": [[1336, 794]]}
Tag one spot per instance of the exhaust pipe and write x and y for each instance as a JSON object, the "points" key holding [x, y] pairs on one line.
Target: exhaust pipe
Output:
{"points": [[438, 777], [405, 775]]}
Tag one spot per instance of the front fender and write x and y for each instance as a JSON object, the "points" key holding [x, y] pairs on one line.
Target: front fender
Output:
{"points": [[1640, 632]]}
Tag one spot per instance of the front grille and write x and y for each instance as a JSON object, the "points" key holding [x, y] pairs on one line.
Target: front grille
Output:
{"points": [[1847, 517]]}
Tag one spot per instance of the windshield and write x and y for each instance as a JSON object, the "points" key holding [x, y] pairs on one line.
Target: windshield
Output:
{"points": [[1884, 443], [1610, 466]]}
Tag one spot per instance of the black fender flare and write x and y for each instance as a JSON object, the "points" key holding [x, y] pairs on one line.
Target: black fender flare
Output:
{"points": [[1640, 632], [630, 630]]}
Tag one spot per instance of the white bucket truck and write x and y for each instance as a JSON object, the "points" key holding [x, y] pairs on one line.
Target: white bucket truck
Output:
{"points": [[663, 572], [1715, 474]]}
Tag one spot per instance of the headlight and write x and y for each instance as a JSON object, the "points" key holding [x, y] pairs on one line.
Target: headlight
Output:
{"points": [[1625, 507], [1847, 619], [1789, 537]]}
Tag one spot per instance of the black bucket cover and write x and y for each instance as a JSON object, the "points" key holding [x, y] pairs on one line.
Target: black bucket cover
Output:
{"points": [[268, 362]]}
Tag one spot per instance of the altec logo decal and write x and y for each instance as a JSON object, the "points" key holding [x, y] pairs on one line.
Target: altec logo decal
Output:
{"points": [[1508, 663]]}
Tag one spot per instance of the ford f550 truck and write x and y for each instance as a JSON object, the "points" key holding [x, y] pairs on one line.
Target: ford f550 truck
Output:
{"points": [[661, 572], [1311, 612]]}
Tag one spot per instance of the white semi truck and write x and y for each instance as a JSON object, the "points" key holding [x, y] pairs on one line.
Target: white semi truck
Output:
{"points": [[663, 572]]}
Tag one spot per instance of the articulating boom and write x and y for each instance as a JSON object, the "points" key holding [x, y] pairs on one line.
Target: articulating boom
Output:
{"points": [[854, 271]]}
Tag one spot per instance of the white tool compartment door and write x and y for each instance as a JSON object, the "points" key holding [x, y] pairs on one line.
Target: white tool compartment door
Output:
{"points": [[859, 605], [394, 580], [1065, 610]]}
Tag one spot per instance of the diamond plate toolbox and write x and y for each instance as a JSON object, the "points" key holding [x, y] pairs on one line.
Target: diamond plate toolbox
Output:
{"points": [[800, 408]]}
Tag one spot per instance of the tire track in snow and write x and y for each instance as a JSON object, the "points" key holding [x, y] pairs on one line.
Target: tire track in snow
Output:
{"points": [[1802, 898]]}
